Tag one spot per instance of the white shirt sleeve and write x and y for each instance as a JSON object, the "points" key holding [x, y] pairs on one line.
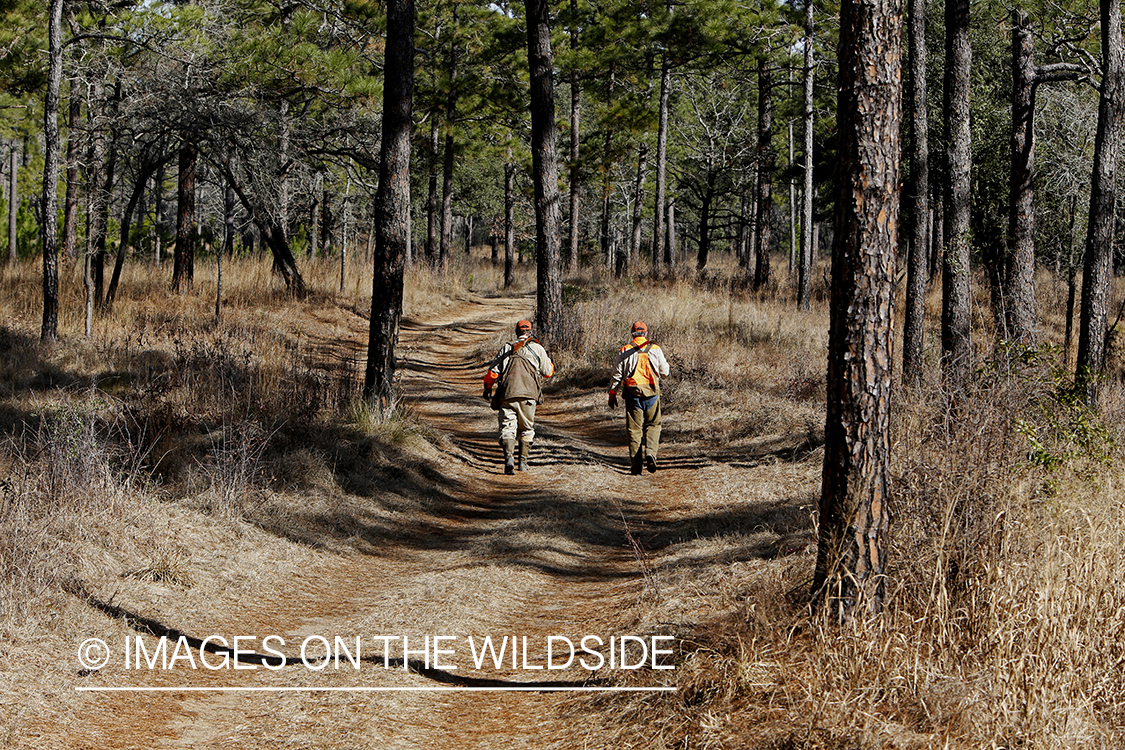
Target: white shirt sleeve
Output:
{"points": [[657, 360]]}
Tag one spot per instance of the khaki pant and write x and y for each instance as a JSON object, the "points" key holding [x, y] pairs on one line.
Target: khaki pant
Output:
{"points": [[517, 419], [642, 420]]}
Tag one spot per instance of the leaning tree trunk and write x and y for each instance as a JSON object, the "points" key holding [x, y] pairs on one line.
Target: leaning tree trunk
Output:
{"points": [[1097, 272], [50, 329], [392, 205], [544, 168], [850, 573], [917, 276], [956, 344], [143, 177]]}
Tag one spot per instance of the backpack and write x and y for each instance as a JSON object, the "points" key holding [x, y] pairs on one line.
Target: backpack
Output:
{"points": [[521, 378]]}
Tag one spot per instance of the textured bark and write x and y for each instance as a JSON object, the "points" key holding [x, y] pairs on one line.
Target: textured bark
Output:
{"points": [[283, 169], [446, 245], [638, 203], [571, 259], [956, 344], [183, 256], [670, 247], [660, 251], [917, 270], [544, 168], [766, 161], [1097, 270], [13, 199], [705, 202], [804, 275], [854, 514], [1019, 276], [97, 208], [607, 178], [509, 221], [50, 329], [431, 194], [70, 203], [392, 205]]}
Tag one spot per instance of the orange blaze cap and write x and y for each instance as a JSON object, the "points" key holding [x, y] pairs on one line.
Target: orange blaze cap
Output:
{"points": [[640, 327], [523, 325]]}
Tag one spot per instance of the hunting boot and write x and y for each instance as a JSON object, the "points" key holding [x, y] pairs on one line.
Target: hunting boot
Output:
{"points": [[635, 463], [525, 448], [509, 456]]}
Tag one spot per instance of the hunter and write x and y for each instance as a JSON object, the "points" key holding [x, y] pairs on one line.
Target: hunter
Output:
{"points": [[513, 385], [639, 367]]}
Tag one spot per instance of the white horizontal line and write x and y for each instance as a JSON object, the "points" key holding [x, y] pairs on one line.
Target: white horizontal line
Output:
{"points": [[364, 689]]}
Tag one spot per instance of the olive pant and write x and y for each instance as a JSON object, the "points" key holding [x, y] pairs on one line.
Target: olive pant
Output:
{"points": [[642, 420], [516, 417]]}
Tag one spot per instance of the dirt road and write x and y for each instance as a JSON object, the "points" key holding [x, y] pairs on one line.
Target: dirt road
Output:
{"points": [[560, 550]]}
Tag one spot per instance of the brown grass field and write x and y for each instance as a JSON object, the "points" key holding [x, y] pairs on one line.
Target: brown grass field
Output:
{"points": [[175, 473]]}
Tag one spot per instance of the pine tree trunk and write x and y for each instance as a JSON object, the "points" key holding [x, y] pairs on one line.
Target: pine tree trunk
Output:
{"points": [[183, 255], [13, 200], [766, 160], [660, 251], [607, 178], [1019, 277], [509, 221], [544, 169], [431, 195], [850, 573], [447, 168], [392, 207], [571, 260], [917, 275], [50, 329], [638, 203], [70, 204], [1097, 270], [955, 341], [804, 276]]}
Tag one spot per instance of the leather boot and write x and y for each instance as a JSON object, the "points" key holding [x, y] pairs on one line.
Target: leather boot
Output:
{"points": [[635, 463], [525, 448], [509, 456]]}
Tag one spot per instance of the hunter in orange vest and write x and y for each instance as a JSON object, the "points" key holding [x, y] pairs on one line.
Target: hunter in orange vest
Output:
{"points": [[637, 372]]}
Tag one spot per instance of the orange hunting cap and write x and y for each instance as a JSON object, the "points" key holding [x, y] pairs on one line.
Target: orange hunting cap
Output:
{"points": [[640, 327], [523, 325]]}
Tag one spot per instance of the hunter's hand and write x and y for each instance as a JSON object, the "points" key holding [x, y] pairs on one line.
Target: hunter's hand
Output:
{"points": [[487, 395], [612, 400]]}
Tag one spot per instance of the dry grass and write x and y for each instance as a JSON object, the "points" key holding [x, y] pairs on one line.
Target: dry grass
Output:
{"points": [[1007, 614], [189, 462]]}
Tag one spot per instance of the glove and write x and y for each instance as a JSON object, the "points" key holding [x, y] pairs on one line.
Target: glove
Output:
{"points": [[487, 395], [612, 400]]}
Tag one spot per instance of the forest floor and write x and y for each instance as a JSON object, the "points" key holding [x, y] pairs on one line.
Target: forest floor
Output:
{"points": [[445, 544]]}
